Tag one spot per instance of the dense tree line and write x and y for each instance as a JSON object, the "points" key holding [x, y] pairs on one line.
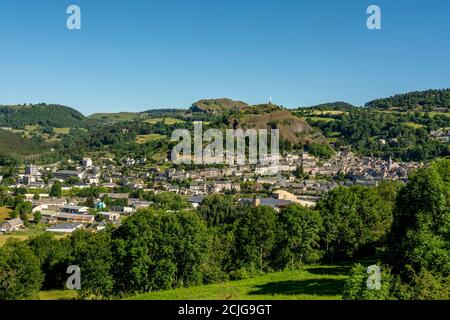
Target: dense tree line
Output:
{"points": [[416, 264], [427, 100], [364, 130], [43, 115], [168, 246]]}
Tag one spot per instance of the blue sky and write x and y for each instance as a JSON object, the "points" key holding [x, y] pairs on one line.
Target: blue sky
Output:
{"points": [[135, 55]]}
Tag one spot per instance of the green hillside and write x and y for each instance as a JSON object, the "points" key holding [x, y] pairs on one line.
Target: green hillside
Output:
{"points": [[417, 100], [12, 143], [45, 115], [336, 106], [114, 117]]}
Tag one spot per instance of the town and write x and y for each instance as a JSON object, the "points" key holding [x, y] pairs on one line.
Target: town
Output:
{"points": [[299, 178]]}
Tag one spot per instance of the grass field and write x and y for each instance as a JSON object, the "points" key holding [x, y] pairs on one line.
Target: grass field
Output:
{"points": [[57, 295], [413, 125], [434, 113], [25, 234], [31, 128], [5, 237], [313, 283], [332, 112], [115, 117], [149, 137], [323, 119], [4, 213], [61, 130], [168, 121]]}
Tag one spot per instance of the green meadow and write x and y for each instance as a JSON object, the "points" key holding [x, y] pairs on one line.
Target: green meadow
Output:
{"points": [[312, 283]]}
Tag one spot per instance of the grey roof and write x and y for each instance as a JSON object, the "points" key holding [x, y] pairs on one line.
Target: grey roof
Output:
{"points": [[72, 207], [270, 202], [65, 226], [74, 216], [67, 172], [196, 199], [115, 195], [15, 222]]}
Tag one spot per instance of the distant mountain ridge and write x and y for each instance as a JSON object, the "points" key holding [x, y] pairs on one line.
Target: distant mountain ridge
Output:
{"points": [[45, 115], [338, 106]]}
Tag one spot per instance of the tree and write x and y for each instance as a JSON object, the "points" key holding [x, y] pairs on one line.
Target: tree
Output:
{"points": [[356, 287], [56, 190], [168, 201], [299, 236], [71, 181], [424, 285], [37, 216], [54, 257], [36, 196], [20, 275], [93, 254], [22, 208], [421, 228], [217, 210], [156, 250], [352, 219], [323, 151], [255, 232]]}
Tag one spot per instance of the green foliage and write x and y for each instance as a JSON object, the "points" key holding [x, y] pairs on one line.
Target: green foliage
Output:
{"points": [[337, 106], [217, 210], [255, 236], [167, 201], [421, 228], [323, 151], [71, 181], [219, 246], [424, 285], [299, 237], [41, 114], [37, 216], [352, 219], [92, 253], [14, 147], [56, 190], [54, 257], [424, 99], [356, 287], [20, 275], [22, 208], [156, 250], [363, 129]]}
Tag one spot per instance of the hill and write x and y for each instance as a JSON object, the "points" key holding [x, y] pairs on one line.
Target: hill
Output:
{"points": [[45, 115], [418, 100], [337, 106], [115, 117], [268, 116], [217, 105], [14, 144]]}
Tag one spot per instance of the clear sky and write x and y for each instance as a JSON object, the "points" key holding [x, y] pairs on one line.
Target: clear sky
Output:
{"points": [[139, 54]]}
